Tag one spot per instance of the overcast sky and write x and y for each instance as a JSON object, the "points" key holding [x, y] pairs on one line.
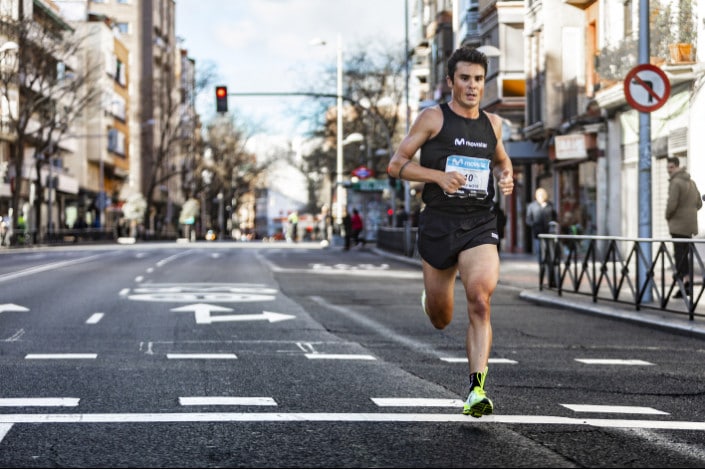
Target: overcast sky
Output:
{"points": [[264, 46]]}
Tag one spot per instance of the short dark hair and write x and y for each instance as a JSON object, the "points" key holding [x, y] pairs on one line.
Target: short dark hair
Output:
{"points": [[674, 161], [466, 54]]}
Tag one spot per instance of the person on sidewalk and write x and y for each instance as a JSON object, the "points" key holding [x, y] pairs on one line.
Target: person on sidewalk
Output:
{"points": [[682, 215], [347, 228], [356, 225], [461, 154], [539, 214]]}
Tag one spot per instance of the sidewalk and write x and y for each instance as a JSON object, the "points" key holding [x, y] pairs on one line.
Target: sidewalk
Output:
{"points": [[521, 271]]}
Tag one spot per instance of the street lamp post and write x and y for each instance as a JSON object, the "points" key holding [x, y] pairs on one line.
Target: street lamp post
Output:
{"points": [[339, 194], [339, 134]]}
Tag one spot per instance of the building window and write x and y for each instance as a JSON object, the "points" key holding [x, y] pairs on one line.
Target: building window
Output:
{"points": [[124, 28], [116, 142], [120, 73]]}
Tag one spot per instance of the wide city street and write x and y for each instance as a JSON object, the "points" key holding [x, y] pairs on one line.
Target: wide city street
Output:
{"points": [[293, 355]]}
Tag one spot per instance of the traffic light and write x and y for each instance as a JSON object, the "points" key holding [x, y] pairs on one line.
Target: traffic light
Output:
{"points": [[221, 99]]}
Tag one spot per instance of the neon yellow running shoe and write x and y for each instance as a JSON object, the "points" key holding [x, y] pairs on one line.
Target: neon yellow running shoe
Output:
{"points": [[478, 403]]}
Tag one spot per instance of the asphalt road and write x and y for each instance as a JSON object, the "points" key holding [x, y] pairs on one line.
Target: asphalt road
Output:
{"points": [[283, 355]]}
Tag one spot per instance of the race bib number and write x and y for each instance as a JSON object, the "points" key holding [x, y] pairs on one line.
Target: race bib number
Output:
{"points": [[476, 172]]}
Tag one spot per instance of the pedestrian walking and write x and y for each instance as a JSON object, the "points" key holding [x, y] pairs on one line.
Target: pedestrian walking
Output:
{"points": [[682, 207], [347, 228], [461, 155]]}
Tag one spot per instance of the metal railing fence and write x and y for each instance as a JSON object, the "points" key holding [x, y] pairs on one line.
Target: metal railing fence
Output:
{"points": [[620, 270]]}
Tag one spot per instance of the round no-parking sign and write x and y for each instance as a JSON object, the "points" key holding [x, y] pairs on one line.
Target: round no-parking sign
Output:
{"points": [[646, 88]]}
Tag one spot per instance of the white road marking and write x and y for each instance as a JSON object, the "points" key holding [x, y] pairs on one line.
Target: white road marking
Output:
{"points": [[377, 327], [201, 356], [4, 429], [615, 362], [39, 401], [95, 318], [235, 401], [150, 270], [171, 258], [12, 308], [419, 402], [492, 360], [139, 279], [124, 292], [15, 337], [35, 418], [345, 357], [614, 409], [46, 267], [62, 356]]}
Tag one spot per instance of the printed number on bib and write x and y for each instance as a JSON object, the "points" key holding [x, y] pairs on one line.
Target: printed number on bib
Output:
{"points": [[476, 172]]}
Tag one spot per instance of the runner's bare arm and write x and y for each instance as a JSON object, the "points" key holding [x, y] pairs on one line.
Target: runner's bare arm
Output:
{"points": [[503, 170], [426, 126]]}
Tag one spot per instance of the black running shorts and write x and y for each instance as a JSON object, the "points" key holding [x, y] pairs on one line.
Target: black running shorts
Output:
{"points": [[443, 236]]}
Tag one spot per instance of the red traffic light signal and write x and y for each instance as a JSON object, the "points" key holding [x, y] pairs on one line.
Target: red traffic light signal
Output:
{"points": [[221, 99]]}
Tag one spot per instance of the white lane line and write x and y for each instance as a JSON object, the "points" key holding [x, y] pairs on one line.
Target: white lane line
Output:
{"points": [[344, 357], [15, 337], [418, 402], [62, 356], [492, 360], [35, 418], [46, 267], [201, 356], [615, 362], [124, 292], [139, 279], [614, 409], [39, 401], [235, 401], [377, 327], [171, 258], [4, 429], [95, 318]]}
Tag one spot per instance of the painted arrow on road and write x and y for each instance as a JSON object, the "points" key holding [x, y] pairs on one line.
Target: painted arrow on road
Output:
{"points": [[202, 313], [12, 308]]}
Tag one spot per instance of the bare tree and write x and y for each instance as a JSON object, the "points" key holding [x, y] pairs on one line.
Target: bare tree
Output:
{"points": [[50, 90], [373, 93], [228, 169]]}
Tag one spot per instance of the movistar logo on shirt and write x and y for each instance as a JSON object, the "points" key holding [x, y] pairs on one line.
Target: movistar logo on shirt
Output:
{"points": [[467, 163], [461, 142]]}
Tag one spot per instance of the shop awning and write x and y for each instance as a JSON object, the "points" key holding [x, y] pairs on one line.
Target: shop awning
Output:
{"points": [[526, 151]]}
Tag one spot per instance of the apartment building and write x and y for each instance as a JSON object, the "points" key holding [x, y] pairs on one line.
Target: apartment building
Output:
{"points": [[569, 127], [39, 74], [160, 122]]}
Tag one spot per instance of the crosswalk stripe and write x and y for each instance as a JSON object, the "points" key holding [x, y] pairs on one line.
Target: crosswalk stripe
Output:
{"points": [[36, 418], [201, 356], [645, 410], [61, 356], [347, 357], [39, 401], [615, 362], [418, 402], [234, 401], [492, 360]]}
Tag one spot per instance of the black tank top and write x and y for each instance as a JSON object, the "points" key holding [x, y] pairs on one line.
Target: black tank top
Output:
{"points": [[463, 137]]}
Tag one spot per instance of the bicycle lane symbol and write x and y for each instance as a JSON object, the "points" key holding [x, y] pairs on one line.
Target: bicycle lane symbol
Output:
{"points": [[201, 293]]}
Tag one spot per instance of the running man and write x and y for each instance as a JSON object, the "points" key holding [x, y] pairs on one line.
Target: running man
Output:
{"points": [[461, 155]]}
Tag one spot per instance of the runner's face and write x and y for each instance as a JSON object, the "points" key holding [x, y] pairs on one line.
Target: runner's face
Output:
{"points": [[468, 84]]}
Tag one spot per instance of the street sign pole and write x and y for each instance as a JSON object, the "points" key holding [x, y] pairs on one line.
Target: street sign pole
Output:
{"points": [[644, 159]]}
